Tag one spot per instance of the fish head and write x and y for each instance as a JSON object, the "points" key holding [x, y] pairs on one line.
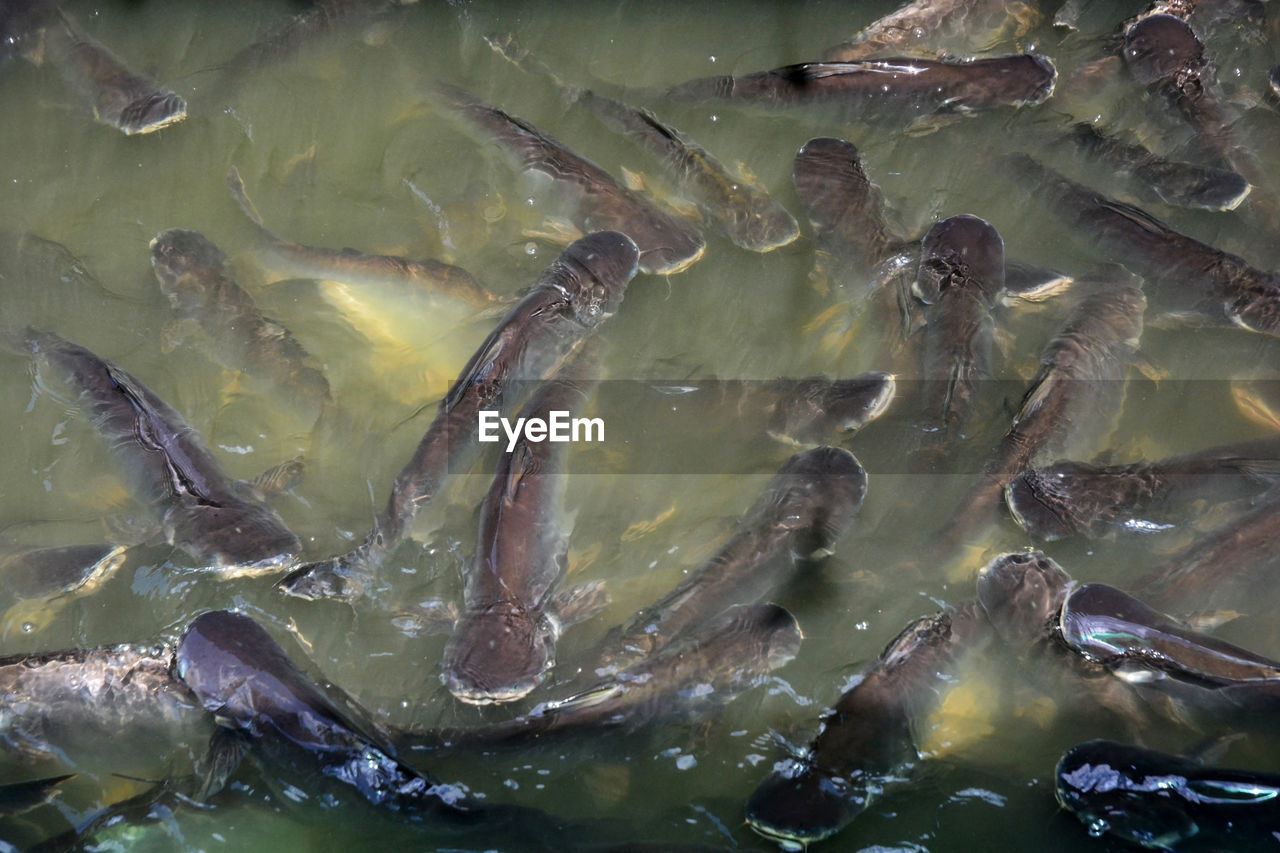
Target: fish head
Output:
{"points": [[594, 272], [1131, 793], [961, 251], [817, 407], [1043, 500], [817, 493], [152, 111], [801, 803], [178, 252], [1163, 48], [758, 223], [498, 653], [220, 657], [1022, 594]]}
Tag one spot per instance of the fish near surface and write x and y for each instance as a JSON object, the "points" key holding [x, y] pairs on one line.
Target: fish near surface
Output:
{"points": [[960, 279], [866, 740], [892, 86], [577, 292], [44, 580], [200, 509], [727, 655], [923, 24], [737, 204], [504, 642], [194, 275], [1078, 499], [1166, 802], [667, 243], [805, 508]]}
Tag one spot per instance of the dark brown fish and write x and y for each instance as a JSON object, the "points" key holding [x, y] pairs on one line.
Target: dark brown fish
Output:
{"points": [[353, 267], [1077, 499], [1158, 179], [513, 611], [667, 243], [200, 509], [193, 274], [920, 86], [733, 652], [807, 506], [866, 740], [118, 97], [738, 204], [580, 289], [1183, 273], [923, 24], [960, 279]]}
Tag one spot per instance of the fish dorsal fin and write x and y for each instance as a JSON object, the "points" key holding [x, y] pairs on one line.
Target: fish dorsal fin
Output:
{"points": [[279, 478]]}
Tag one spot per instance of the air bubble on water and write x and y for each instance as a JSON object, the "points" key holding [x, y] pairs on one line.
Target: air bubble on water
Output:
{"points": [[1098, 827], [530, 248], [862, 626], [28, 627], [686, 762]]}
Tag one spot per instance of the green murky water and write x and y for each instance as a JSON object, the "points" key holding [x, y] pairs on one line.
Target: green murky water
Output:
{"points": [[338, 146]]}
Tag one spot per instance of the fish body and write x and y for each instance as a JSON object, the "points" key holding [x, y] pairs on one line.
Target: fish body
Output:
{"points": [[806, 507], [866, 739], [896, 85], [582, 288], [193, 274], [960, 279], [921, 24], [353, 267], [667, 243], [69, 704], [1166, 802], [727, 655], [1159, 179], [738, 205], [201, 510], [504, 642], [1078, 499]]}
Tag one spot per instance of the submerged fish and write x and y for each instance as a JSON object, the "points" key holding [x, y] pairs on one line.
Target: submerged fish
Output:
{"points": [[1183, 271], [1159, 179], [922, 24], [20, 797], [120, 98], [200, 509], [44, 579], [667, 243], [352, 267], [866, 740], [193, 274], [813, 409], [67, 705], [960, 278], [513, 609], [1164, 802], [582, 288], [736, 203], [805, 508], [896, 85], [708, 667], [1075, 396], [1077, 499]]}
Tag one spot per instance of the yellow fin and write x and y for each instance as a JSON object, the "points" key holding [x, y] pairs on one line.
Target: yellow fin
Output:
{"points": [[644, 528]]}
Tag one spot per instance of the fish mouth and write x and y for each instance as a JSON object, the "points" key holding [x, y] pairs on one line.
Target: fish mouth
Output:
{"points": [[474, 695]]}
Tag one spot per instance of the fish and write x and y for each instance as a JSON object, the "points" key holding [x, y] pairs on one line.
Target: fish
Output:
{"points": [[22, 24], [20, 797], [804, 509], [354, 267], [194, 276], [845, 209], [1166, 802], [66, 705], [732, 652], [201, 510], [959, 280], [1078, 499], [1156, 178], [667, 243], [865, 740], [43, 580], [1074, 397], [120, 98], [920, 86], [1164, 54], [1184, 273], [576, 293], [923, 24], [809, 411], [736, 204], [513, 611]]}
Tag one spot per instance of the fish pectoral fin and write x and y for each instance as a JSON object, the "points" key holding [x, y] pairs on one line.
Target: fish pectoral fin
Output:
{"points": [[579, 603], [431, 617], [279, 478], [555, 230], [227, 748], [927, 124], [1149, 369], [633, 180]]}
